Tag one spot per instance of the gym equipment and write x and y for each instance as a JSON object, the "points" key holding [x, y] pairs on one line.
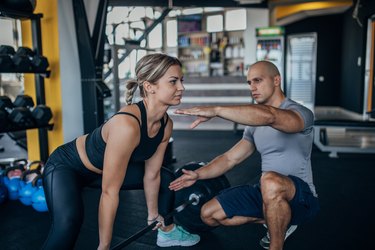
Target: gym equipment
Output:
{"points": [[26, 191], [21, 60], [25, 58], [190, 218], [38, 199], [17, 9], [5, 103], [24, 101], [41, 114], [7, 50], [337, 130], [193, 200], [27, 186], [22, 117], [6, 53], [23, 113], [189, 202], [12, 184], [27, 6], [17, 115], [12, 177]]}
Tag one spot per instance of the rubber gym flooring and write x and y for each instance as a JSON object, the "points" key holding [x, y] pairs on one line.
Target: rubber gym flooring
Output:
{"points": [[345, 186]]}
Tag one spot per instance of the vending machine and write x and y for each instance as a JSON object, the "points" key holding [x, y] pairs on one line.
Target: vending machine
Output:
{"points": [[270, 47]]}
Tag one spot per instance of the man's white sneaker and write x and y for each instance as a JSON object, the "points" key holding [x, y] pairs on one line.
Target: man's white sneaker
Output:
{"points": [[265, 241]]}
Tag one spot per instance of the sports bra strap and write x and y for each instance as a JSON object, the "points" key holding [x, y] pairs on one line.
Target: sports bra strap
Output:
{"points": [[126, 113]]}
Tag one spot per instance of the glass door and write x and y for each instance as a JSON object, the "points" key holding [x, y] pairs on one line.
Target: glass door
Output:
{"points": [[301, 68]]}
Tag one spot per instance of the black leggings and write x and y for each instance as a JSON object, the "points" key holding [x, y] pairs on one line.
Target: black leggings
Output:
{"points": [[64, 178]]}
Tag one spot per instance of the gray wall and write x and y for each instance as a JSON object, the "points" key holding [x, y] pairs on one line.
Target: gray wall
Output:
{"points": [[72, 115]]}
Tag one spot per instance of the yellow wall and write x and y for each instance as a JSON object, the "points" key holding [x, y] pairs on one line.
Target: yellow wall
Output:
{"points": [[50, 43]]}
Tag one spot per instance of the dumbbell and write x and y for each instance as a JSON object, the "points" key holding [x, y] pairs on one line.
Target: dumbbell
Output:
{"points": [[17, 115], [25, 58], [41, 113], [21, 61], [6, 53]]}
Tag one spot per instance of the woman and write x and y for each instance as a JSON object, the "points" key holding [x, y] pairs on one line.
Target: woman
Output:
{"points": [[137, 133]]}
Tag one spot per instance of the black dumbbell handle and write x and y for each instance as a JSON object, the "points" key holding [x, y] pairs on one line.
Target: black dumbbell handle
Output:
{"points": [[122, 244]]}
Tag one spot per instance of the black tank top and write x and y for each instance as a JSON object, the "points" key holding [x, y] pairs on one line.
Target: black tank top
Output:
{"points": [[95, 145]]}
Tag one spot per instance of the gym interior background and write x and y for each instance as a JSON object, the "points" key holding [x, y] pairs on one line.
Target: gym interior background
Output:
{"points": [[73, 58]]}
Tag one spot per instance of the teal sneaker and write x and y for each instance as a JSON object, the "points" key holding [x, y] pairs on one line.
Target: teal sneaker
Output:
{"points": [[176, 237]]}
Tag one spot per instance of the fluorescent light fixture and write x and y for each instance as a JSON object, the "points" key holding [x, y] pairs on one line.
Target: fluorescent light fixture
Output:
{"points": [[249, 1]]}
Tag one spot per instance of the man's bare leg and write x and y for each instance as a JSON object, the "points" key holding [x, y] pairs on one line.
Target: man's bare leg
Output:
{"points": [[277, 191], [213, 215]]}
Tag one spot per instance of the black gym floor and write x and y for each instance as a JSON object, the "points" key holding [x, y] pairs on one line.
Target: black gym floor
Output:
{"points": [[345, 186]]}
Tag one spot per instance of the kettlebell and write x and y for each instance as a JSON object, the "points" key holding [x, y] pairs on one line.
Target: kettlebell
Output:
{"points": [[38, 199], [12, 177], [12, 184], [27, 188]]}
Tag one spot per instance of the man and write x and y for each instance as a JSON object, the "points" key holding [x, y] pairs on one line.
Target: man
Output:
{"points": [[282, 131]]}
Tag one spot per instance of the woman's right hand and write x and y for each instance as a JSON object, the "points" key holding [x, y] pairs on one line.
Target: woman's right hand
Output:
{"points": [[159, 219], [188, 178]]}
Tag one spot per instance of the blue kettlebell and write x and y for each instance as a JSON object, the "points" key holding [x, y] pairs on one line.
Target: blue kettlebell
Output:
{"points": [[26, 186], [12, 184], [25, 192], [38, 198], [12, 177]]}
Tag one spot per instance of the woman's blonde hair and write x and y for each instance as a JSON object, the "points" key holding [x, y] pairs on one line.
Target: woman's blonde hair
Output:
{"points": [[149, 68]]}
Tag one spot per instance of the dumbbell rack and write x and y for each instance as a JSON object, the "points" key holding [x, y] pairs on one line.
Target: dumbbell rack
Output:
{"points": [[39, 76]]}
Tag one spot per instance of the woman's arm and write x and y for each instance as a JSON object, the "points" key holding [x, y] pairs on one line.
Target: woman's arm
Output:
{"points": [[122, 137], [151, 180]]}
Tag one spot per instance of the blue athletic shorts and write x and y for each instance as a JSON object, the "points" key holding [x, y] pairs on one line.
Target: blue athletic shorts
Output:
{"points": [[247, 201]]}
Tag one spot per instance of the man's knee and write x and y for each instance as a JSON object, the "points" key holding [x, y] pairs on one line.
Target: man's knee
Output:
{"points": [[210, 212], [274, 186], [206, 211]]}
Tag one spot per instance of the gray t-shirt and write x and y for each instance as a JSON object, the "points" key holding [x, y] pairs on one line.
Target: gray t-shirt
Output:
{"points": [[286, 153]]}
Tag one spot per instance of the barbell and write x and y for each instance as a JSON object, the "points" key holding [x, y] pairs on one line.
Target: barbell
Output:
{"points": [[188, 203]]}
